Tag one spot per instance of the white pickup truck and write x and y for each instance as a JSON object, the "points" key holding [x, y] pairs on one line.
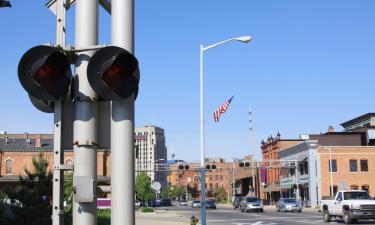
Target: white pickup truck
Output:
{"points": [[350, 206]]}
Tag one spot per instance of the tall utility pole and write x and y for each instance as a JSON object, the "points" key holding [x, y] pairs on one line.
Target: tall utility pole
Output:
{"points": [[85, 136], [251, 143], [122, 124]]}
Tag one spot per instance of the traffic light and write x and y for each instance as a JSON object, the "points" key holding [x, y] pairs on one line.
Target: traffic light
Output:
{"points": [[113, 73], [44, 72], [210, 167], [244, 164], [183, 167]]}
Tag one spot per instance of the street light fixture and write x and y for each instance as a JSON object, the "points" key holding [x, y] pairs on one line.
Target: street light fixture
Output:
{"points": [[243, 39]]}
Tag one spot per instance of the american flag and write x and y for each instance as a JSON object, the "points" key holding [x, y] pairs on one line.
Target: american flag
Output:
{"points": [[222, 109]]}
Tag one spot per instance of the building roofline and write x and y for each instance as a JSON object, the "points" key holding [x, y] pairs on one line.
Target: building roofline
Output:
{"points": [[357, 119]]}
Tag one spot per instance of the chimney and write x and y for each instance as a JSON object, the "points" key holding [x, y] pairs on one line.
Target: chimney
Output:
{"points": [[331, 129], [38, 142], [26, 135]]}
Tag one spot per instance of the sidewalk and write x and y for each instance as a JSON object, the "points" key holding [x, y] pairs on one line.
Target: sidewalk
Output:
{"points": [[161, 217]]}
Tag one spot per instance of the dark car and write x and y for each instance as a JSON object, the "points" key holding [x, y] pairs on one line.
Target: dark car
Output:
{"points": [[166, 202], [237, 202], [210, 204]]}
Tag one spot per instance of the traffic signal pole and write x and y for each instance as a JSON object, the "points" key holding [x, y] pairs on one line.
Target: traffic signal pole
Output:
{"points": [[85, 137], [58, 155], [122, 124]]}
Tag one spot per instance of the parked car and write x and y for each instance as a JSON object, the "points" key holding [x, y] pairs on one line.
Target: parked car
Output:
{"points": [[288, 204], [166, 202], [237, 202], [251, 204], [349, 205], [137, 204], [196, 204], [210, 204], [183, 203]]}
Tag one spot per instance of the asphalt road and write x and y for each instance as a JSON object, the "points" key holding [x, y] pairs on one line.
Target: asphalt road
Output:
{"points": [[228, 216]]}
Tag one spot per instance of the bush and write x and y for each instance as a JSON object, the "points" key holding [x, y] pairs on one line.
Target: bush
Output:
{"points": [[147, 210]]}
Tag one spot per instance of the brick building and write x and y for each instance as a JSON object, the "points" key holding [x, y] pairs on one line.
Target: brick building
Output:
{"points": [[17, 151], [220, 178], [224, 176], [326, 163], [270, 183]]}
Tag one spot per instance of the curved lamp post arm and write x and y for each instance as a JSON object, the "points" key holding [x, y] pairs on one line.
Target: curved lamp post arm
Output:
{"points": [[244, 39]]}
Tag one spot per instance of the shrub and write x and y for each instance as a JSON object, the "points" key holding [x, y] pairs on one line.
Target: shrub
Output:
{"points": [[147, 210]]}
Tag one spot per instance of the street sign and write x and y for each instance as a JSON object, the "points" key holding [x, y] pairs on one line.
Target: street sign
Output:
{"points": [[156, 186]]}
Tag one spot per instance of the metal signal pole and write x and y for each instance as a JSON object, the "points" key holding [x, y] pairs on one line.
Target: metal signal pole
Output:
{"points": [[122, 124], [58, 156], [85, 137], [251, 148]]}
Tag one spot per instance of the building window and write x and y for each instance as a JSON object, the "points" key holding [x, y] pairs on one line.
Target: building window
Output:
{"points": [[216, 177], [333, 164], [221, 177], [365, 187], [334, 190], [354, 187], [8, 163], [353, 165], [364, 165]]}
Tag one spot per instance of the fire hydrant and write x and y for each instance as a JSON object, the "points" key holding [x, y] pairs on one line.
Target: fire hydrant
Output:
{"points": [[193, 220]]}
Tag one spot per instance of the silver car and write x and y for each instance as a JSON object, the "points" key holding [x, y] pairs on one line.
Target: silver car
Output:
{"points": [[251, 204], [288, 204], [196, 204]]}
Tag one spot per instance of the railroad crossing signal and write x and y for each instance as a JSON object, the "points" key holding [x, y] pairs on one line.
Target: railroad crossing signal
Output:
{"points": [[113, 73], [44, 72]]}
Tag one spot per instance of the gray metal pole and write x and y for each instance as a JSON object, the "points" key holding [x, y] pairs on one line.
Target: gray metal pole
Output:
{"points": [[85, 137], [122, 125], [58, 173], [58, 156], [203, 169]]}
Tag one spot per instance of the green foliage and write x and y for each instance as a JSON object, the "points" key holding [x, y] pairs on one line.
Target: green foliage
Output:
{"points": [[147, 210], [219, 194], [174, 192], [31, 199], [143, 187], [104, 216]]}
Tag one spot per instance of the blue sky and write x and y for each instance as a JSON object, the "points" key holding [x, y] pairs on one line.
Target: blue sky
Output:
{"points": [[310, 65]]}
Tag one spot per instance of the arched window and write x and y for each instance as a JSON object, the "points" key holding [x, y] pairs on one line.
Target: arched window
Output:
{"points": [[354, 187], [9, 165]]}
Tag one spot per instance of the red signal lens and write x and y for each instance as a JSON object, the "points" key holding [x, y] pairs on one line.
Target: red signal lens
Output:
{"points": [[46, 76], [114, 76]]}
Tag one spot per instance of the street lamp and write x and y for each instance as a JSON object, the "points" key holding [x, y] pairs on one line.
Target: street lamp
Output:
{"points": [[243, 39]]}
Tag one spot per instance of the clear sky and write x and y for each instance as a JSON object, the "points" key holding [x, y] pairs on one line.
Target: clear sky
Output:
{"points": [[311, 64]]}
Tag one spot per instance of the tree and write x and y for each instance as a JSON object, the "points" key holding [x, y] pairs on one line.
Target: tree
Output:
{"points": [[143, 187], [32, 198], [219, 194]]}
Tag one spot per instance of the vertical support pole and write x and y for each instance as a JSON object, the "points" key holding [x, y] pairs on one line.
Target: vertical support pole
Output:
{"points": [[58, 151], [203, 169], [58, 174], [85, 137], [331, 172], [298, 197], [233, 180], [122, 124]]}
